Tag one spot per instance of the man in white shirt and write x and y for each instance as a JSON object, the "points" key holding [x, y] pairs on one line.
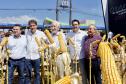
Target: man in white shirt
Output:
{"points": [[33, 57], [17, 45], [61, 58], [76, 35]]}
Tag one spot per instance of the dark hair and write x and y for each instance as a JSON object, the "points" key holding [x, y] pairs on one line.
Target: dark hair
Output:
{"points": [[32, 21], [7, 34], [18, 26], [75, 20], [23, 32]]}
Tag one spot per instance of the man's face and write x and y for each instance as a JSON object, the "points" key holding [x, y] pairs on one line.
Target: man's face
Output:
{"points": [[16, 31], [54, 28], [91, 30], [75, 26], [2, 34], [33, 27]]}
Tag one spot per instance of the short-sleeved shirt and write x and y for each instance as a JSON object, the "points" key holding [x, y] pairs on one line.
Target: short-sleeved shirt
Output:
{"points": [[17, 47]]}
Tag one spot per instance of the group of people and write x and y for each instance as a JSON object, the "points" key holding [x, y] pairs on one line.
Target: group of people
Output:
{"points": [[24, 54]]}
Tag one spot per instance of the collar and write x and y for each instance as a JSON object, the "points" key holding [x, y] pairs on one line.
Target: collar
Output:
{"points": [[55, 34], [91, 36], [17, 37], [33, 33], [79, 31]]}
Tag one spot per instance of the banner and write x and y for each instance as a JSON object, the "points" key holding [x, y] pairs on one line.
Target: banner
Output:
{"points": [[117, 16]]}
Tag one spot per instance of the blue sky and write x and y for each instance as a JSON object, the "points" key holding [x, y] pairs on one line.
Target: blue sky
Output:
{"points": [[83, 9]]}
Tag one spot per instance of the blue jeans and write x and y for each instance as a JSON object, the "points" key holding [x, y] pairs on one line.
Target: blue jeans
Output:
{"points": [[83, 71], [12, 64], [35, 64], [95, 70], [74, 66]]}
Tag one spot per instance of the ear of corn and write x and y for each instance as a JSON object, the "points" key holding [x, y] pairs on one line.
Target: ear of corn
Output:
{"points": [[110, 74], [37, 41], [43, 46], [70, 40], [4, 41], [42, 58], [65, 80], [95, 42], [123, 39], [116, 36], [114, 43], [63, 47], [103, 38], [49, 36], [44, 43], [66, 62], [1, 70]]}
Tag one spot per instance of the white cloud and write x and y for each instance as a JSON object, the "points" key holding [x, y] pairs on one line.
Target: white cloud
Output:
{"points": [[16, 20]]}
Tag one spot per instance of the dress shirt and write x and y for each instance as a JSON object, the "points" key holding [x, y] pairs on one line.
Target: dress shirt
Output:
{"points": [[87, 42], [32, 47], [77, 38], [17, 47], [55, 38]]}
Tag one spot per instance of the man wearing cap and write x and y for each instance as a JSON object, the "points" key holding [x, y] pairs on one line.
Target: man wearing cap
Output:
{"points": [[93, 35]]}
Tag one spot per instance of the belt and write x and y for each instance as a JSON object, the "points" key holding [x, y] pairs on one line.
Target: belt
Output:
{"points": [[16, 59]]}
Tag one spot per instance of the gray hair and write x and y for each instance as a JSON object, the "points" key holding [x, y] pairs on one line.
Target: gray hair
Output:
{"points": [[56, 23]]}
